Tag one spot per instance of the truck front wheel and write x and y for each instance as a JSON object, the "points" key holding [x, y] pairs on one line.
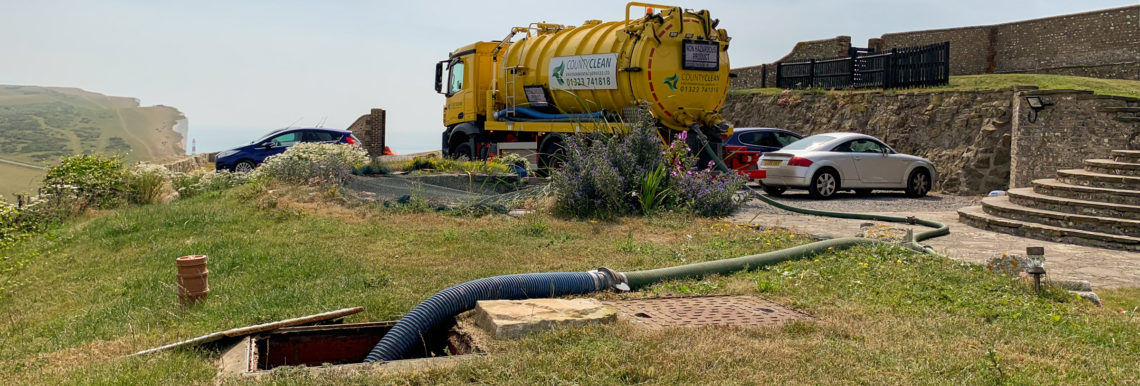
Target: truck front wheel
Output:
{"points": [[551, 154], [463, 150]]}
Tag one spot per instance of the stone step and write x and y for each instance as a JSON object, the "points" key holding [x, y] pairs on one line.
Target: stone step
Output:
{"points": [[1027, 197], [976, 217], [1098, 180], [1105, 166], [1001, 206], [1052, 187], [1132, 156]]}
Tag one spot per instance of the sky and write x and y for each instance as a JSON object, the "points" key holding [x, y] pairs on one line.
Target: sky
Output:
{"points": [[238, 69]]}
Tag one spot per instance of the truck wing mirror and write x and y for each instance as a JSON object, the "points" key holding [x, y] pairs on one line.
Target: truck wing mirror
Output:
{"points": [[439, 77]]}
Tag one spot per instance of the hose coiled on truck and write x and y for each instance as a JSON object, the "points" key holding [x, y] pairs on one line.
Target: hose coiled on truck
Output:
{"points": [[462, 297]]}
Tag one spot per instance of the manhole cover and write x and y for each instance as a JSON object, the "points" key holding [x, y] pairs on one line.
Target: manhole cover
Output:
{"points": [[744, 311]]}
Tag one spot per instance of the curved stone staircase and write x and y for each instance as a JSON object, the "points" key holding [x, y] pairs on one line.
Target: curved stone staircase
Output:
{"points": [[1097, 206]]}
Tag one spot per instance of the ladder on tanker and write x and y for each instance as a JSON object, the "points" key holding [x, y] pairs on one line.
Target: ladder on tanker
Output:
{"points": [[512, 79]]}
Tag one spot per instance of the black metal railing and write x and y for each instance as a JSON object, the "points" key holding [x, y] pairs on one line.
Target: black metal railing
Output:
{"points": [[897, 68]]}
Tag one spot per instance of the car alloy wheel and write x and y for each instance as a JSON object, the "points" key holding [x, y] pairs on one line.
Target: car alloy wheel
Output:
{"points": [[918, 184], [243, 167], [824, 185]]}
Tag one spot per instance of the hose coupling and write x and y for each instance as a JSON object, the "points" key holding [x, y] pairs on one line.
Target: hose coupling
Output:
{"points": [[612, 279]]}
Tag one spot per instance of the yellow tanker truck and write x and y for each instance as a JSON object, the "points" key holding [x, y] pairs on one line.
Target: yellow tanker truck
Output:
{"points": [[526, 92]]}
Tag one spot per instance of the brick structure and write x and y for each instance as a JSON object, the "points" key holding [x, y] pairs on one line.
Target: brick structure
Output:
{"points": [[370, 129], [1099, 44]]}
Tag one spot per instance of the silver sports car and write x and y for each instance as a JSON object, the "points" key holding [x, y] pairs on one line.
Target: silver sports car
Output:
{"points": [[827, 163]]}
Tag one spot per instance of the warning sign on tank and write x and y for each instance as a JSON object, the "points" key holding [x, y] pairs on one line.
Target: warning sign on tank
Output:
{"points": [[584, 72]]}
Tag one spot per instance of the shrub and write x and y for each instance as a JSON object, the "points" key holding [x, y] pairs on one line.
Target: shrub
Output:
{"points": [[704, 192], [602, 176], [373, 167], [96, 180], [708, 194], [423, 164], [514, 160], [620, 175], [314, 163], [10, 227], [146, 182], [193, 184], [36, 214]]}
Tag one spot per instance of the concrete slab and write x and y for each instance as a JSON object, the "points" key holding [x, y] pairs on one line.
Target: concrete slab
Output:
{"points": [[511, 319]]}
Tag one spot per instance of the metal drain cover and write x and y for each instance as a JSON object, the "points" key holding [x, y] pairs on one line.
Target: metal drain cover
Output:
{"points": [[743, 311]]}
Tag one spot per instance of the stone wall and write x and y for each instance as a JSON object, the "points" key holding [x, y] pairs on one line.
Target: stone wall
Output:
{"points": [[970, 47], [978, 140], [966, 134], [753, 77], [192, 163], [1085, 39], [1099, 44], [1079, 125], [370, 129]]}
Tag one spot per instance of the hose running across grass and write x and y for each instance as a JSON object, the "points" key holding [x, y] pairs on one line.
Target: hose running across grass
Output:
{"points": [[452, 301]]}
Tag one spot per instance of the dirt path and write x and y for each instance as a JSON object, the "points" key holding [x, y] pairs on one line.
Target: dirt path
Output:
{"points": [[1105, 268], [127, 131], [17, 163]]}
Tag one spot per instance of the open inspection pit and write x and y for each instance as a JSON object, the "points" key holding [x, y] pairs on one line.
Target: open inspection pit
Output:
{"points": [[340, 348]]}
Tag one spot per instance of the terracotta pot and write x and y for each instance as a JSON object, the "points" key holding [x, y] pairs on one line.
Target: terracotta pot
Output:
{"points": [[192, 274]]}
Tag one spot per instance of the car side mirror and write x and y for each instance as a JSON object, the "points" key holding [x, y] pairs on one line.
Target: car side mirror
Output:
{"points": [[268, 145]]}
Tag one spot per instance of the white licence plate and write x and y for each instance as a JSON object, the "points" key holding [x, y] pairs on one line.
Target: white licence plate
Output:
{"points": [[772, 162]]}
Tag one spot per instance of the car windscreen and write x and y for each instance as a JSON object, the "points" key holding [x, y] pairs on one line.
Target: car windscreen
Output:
{"points": [[266, 136], [809, 143]]}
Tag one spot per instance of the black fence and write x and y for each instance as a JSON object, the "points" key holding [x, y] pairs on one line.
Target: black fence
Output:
{"points": [[898, 68]]}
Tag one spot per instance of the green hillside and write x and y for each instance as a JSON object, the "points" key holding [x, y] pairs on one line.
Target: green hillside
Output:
{"points": [[40, 124]]}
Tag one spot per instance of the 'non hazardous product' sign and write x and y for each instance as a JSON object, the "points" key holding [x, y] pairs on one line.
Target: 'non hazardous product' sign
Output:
{"points": [[584, 72], [701, 55]]}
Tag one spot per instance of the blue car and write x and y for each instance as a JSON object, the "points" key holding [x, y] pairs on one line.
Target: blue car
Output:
{"points": [[245, 158], [761, 140]]}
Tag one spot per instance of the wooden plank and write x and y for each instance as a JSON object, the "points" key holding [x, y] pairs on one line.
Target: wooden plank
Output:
{"points": [[249, 330]]}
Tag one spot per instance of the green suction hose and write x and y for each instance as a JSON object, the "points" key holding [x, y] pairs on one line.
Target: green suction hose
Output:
{"points": [[633, 280], [639, 279], [940, 229]]}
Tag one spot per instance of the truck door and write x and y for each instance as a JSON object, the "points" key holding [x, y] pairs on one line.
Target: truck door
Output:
{"points": [[460, 106]]}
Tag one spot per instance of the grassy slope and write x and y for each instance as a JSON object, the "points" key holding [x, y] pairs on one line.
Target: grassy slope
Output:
{"points": [[1128, 88], [17, 179], [72, 121], [75, 299]]}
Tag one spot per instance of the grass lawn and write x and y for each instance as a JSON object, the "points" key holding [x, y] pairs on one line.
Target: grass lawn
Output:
{"points": [[1119, 87], [77, 298]]}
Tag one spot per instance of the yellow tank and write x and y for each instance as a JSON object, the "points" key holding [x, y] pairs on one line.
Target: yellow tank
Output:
{"points": [[671, 60]]}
